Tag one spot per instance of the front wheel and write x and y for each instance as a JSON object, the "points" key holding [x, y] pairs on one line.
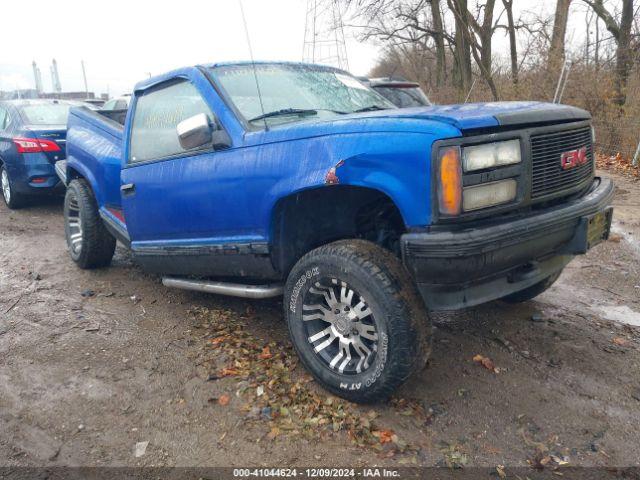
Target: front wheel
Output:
{"points": [[90, 243], [356, 320]]}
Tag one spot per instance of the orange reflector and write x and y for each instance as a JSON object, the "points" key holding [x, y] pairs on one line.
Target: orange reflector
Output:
{"points": [[450, 179]]}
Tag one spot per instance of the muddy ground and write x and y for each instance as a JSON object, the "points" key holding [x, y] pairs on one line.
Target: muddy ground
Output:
{"points": [[92, 363]]}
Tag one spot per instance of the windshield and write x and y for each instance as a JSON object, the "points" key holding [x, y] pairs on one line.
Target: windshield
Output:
{"points": [[288, 90], [404, 97], [46, 113]]}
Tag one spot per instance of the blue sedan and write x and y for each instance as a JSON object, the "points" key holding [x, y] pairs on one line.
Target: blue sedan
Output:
{"points": [[32, 139]]}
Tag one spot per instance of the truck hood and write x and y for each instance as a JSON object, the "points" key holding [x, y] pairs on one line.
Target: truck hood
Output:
{"points": [[470, 116], [445, 121]]}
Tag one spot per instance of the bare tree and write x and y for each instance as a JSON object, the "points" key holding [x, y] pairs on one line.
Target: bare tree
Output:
{"points": [[556, 50], [621, 31], [462, 48], [479, 35], [513, 46], [441, 62], [420, 23]]}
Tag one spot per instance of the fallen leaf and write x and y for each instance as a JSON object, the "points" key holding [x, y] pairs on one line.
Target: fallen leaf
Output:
{"points": [[500, 470], [266, 353], [216, 341], [229, 372], [623, 342], [224, 400], [615, 238], [385, 436], [275, 431], [485, 362]]}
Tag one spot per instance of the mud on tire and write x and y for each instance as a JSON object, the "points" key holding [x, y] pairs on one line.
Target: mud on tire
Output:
{"points": [[356, 320], [90, 243]]}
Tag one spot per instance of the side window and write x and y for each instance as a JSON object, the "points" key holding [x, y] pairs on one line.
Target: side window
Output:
{"points": [[120, 105], [3, 118], [157, 114]]}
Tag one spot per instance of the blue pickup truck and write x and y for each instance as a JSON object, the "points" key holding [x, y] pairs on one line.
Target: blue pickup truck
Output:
{"points": [[282, 179]]}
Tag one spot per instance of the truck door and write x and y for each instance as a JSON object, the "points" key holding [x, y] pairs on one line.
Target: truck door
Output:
{"points": [[170, 196]]}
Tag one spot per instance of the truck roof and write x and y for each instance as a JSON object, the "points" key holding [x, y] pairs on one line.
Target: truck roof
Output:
{"points": [[144, 84]]}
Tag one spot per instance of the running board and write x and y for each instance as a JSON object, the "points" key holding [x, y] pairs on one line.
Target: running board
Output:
{"points": [[223, 288]]}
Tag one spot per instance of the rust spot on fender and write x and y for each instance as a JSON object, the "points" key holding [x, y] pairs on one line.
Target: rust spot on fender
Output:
{"points": [[331, 178]]}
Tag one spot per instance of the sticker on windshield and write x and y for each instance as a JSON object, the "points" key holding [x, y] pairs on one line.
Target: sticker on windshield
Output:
{"points": [[350, 81]]}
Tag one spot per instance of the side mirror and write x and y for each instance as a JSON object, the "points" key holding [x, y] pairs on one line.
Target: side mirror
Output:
{"points": [[194, 132]]}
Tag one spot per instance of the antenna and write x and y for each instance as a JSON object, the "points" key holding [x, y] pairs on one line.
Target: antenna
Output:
{"points": [[253, 64]]}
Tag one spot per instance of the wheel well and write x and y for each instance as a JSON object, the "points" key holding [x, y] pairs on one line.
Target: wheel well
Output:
{"points": [[72, 174], [311, 218]]}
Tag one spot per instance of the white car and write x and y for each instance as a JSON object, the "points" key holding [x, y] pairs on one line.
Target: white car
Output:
{"points": [[118, 103]]}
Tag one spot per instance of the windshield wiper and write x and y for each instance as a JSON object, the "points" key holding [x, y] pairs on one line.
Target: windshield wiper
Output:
{"points": [[284, 112], [370, 108]]}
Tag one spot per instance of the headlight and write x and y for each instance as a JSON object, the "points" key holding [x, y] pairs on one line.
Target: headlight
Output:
{"points": [[490, 155], [488, 194]]}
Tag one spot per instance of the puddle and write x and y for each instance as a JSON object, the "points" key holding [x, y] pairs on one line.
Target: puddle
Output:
{"points": [[620, 313]]}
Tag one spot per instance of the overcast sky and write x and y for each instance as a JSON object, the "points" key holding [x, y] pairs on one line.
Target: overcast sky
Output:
{"points": [[123, 41]]}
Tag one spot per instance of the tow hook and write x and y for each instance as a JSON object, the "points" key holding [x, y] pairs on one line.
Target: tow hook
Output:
{"points": [[524, 272]]}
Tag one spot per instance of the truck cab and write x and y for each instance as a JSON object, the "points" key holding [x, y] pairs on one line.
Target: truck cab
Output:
{"points": [[295, 180]]}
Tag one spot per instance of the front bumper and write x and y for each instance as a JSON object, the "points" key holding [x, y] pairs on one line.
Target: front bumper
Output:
{"points": [[455, 269]]}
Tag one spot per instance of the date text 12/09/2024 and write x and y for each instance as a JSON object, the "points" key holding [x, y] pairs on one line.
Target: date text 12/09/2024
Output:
{"points": [[316, 472]]}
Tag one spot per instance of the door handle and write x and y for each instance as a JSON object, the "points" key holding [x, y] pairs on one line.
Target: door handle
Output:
{"points": [[128, 188]]}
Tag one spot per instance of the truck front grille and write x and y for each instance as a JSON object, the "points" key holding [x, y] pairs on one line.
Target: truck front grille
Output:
{"points": [[548, 177]]}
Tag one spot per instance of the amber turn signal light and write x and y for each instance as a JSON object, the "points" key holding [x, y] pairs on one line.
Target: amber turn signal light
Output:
{"points": [[450, 181]]}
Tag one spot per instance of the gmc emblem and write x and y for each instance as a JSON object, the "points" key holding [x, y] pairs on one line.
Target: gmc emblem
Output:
{"points": [[573, 158]]}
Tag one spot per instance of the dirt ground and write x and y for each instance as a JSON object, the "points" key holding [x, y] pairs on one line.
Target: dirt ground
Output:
{"points": [[93, 363]]}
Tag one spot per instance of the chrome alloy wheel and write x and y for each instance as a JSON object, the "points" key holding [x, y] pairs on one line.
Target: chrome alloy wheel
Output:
{"points": [[74, 224], [343, 335], [6, 187]]}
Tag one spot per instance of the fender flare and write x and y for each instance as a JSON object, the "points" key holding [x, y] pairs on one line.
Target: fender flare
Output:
{"points": [[76, 169]]}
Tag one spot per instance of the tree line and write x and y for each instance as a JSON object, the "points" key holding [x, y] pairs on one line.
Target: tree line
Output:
{"points": [[451, 42]]}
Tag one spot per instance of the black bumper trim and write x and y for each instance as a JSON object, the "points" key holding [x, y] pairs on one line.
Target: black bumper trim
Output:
{"points": [[446, 244], [459, 269]]}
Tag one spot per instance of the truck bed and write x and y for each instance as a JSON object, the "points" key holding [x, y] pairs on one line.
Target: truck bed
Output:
{"points": [[94, 150]]}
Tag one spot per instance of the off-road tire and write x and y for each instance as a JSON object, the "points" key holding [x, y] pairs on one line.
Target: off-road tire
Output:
{"points": [[16, 200], [401, 320], [533, 291], [97, 245]]}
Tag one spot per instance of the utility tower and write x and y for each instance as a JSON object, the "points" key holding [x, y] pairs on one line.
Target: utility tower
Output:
{"points": [[324, 34], [84, 76], [37, 76], [55, 78]]}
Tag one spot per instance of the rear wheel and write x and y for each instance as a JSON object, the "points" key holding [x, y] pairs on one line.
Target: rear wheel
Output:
{"points": [[12, 198], [533, 291], [356, 320], [90, 244]]}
